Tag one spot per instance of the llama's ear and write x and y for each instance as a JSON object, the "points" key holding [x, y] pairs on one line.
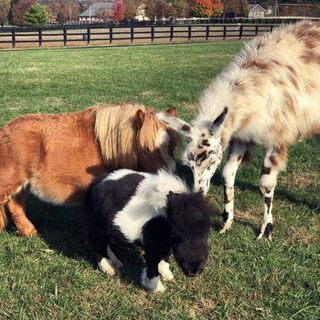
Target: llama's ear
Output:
{"points": [[219, 121], [175, 124], [172, 111], [140, 115]]}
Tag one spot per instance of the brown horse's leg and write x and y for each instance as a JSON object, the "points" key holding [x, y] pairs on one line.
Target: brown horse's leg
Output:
{"points": [[16, 207], [3, 218]]}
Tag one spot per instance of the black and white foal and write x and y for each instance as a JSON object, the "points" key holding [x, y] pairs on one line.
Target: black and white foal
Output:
{"points": [[156, 211]]}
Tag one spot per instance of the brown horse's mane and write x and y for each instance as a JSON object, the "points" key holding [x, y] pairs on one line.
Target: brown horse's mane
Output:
{"points": [[122, 139]]}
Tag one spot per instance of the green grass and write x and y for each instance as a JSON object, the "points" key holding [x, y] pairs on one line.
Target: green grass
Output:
{"points": [[49, 277]]}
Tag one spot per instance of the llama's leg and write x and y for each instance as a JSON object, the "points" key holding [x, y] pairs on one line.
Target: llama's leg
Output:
{"points": [[115, 261], [238, 151], [274, 161], [3, 218], [16, 206]]}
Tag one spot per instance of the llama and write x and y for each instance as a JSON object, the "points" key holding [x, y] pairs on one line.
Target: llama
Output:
{"points": [[268, 95], [154, 210], [56, 157]]}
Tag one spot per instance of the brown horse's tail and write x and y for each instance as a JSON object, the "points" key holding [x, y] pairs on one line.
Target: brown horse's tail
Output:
{"points": [[3, 217]]}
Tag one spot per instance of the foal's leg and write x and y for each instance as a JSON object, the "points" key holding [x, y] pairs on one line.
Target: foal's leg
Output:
{"points": [[150, 277], [164, 269], [238, 152], [115, 261], [16, 206], [98, 245], [274, 161]]}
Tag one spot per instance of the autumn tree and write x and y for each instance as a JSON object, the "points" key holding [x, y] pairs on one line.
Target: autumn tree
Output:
{"points": [[243, 8], [53, 8], [19, 10], [149, 8], [103, 14], [217, 8], [178, 8], [130, 9], [4, 11], [236, 8], [202, 8], [118, 11]]}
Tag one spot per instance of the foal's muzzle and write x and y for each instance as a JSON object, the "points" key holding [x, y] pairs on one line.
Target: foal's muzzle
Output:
{"points": [[192, 269]]}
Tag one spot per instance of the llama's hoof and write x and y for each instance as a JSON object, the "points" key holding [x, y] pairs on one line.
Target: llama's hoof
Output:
{"points": [[153, 284], [105, 265], [266, 232], [226, 226]]}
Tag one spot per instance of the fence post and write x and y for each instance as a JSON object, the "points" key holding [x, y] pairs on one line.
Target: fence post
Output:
{"points": [[110, 34], [171, 33], [13, 36], [40, 37], [132, 34], [152, 33], [189, 33], [271, 28], [240, 31], [65, 36], [257, 30], [224, 32], [207, 32], [88, 35]]}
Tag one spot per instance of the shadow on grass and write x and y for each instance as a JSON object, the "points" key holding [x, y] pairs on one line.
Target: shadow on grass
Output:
{"points": [[62, 228]]}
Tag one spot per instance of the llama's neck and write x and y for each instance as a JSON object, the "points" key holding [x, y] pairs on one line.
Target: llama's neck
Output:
{"points": [[213, 100]]}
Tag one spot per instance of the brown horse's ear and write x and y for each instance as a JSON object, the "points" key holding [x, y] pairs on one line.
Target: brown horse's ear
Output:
{"points": [[172, 111], [140, 115]]}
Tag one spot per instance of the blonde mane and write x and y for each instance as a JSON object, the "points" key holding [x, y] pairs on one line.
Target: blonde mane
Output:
{"points": [[120, 137]]}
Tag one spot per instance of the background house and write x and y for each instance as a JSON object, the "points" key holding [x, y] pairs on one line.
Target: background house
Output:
{"points": [[256, 11], [92, 13]]}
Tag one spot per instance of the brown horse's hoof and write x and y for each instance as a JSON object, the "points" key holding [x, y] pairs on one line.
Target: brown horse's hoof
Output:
{"points": [[28, 233]]}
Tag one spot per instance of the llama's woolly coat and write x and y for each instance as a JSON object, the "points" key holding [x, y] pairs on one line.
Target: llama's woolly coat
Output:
{"points": [[271, 89]]}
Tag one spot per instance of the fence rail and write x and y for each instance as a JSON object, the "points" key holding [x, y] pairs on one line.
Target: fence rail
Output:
{"points": [[88, 35]]}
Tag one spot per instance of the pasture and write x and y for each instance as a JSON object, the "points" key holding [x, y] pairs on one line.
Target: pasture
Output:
{"points": [[49, 276]]}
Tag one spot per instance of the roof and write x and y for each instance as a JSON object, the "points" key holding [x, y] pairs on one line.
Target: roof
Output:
{"points": [[256, 7], [94, 8]]}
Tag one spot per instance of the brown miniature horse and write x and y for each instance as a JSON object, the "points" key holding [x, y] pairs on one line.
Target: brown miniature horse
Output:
{"points": [[56, 157]]}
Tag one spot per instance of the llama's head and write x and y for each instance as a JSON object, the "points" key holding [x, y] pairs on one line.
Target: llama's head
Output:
{"points": [[189, 222], [203, 153]]}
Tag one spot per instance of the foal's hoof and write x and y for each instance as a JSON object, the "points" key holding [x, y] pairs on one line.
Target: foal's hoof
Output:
{"points": [[105, 265], [153, 284]]}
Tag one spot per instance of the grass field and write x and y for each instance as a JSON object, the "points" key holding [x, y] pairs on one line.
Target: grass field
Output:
{"points": [[49, 277]]}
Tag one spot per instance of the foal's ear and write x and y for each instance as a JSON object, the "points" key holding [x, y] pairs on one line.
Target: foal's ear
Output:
{"points": [[216, 124], [172, 111], [140, 115]]}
